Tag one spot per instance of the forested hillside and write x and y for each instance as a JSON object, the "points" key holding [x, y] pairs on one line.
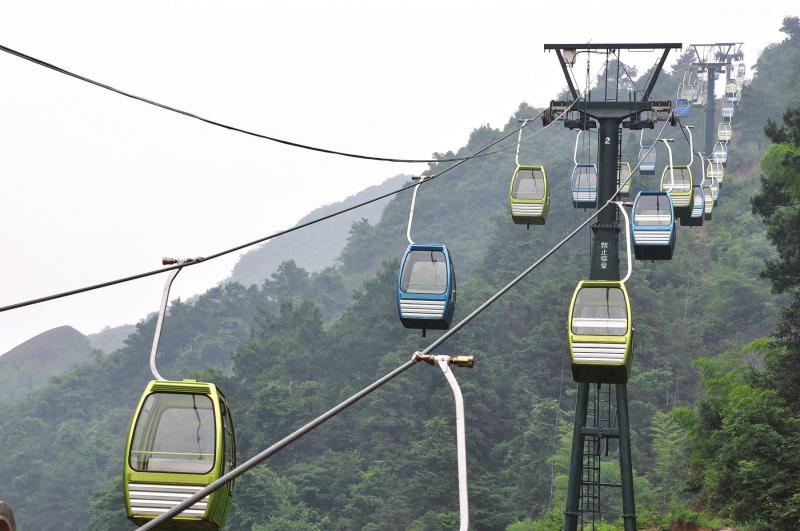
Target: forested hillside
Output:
{"points": [[316, 247], [28, 365], [389, 462]]}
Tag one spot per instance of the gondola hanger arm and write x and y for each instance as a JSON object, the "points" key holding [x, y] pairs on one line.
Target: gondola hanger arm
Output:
{"points": [[463, 486], [163, 308]]}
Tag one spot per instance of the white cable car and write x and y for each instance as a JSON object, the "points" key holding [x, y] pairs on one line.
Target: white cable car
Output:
{"points": [[647, 157], [720, 153], [583, 183], [727, 109], [624, 177]]}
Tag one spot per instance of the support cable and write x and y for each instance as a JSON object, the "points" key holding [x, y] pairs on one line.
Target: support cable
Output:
{"points": [[278, 234], [229, 127], [418, 356]]}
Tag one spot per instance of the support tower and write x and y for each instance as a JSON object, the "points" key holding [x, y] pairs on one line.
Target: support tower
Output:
{"points": [[608, 115]]}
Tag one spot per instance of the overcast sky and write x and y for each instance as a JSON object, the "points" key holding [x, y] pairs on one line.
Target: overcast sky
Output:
{"points": [[97, 186]]}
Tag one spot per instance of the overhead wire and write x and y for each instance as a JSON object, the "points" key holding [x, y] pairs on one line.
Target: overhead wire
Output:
{"points": [[223, 125], [239, 247], [202, 259]]}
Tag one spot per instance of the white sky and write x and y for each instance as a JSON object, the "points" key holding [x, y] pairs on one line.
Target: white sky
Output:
{"points": [[97, 186]]}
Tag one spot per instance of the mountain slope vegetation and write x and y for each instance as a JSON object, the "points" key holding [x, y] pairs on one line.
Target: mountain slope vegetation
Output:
{"points": [[289, 348]]}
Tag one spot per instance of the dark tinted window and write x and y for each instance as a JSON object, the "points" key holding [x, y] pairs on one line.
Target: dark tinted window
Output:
{"points": [[600, 312], [528, 184], [174, 433], [424, 272]]}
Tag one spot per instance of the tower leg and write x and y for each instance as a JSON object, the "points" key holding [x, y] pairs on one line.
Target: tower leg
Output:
{"points": [[576, 460], [625, 463]]}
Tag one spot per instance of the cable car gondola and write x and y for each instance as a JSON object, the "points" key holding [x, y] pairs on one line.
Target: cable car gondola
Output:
{"points": [[727, 109], [694, 216], [426, 287], [714, 187], [600, 332], [583, 183], [686, 93], [653, 226], [647, 157], [740, 70], [426, 284], [724, 132], [705, 187], [700, 99], [715, 170], [720, 153], [624, 177], [181, 439], [676, 179], [528, 194], [730, 92]]}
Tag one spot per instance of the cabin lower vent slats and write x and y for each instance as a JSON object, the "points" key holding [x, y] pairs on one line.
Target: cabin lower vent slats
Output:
{"points": [[522, 209], [153, 498], [421, 309], [598, 352]]}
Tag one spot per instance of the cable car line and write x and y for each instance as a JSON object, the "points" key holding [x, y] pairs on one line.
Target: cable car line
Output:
{"points": [[229, 127], [265, 454], [274, 235]]}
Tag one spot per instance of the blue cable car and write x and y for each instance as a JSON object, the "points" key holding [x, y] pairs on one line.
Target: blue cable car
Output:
{"points": [[681, 107], [426, 287], [694, 216], [653, 226], [584, 185]]}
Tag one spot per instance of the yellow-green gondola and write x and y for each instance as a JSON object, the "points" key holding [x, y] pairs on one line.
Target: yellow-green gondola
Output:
{"points": [[600, 332], [181, 439], [529, 196]]}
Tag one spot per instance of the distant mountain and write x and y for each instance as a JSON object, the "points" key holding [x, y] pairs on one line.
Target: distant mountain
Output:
{"points": [[318, 246], [111, 338], [30, 364]]}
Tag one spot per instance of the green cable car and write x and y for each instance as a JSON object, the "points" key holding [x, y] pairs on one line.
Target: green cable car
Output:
{"points": [[181, 439], [528, 195], [600, 332]]}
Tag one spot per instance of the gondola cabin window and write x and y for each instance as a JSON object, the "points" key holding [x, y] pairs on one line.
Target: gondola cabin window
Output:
{"points": [[586, 177], [600, 312], [529, 184], [653, 210], [175, 433], [425, 272]]}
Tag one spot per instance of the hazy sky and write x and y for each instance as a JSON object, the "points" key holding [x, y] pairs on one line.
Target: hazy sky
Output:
{"points": [[97, 186]]}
